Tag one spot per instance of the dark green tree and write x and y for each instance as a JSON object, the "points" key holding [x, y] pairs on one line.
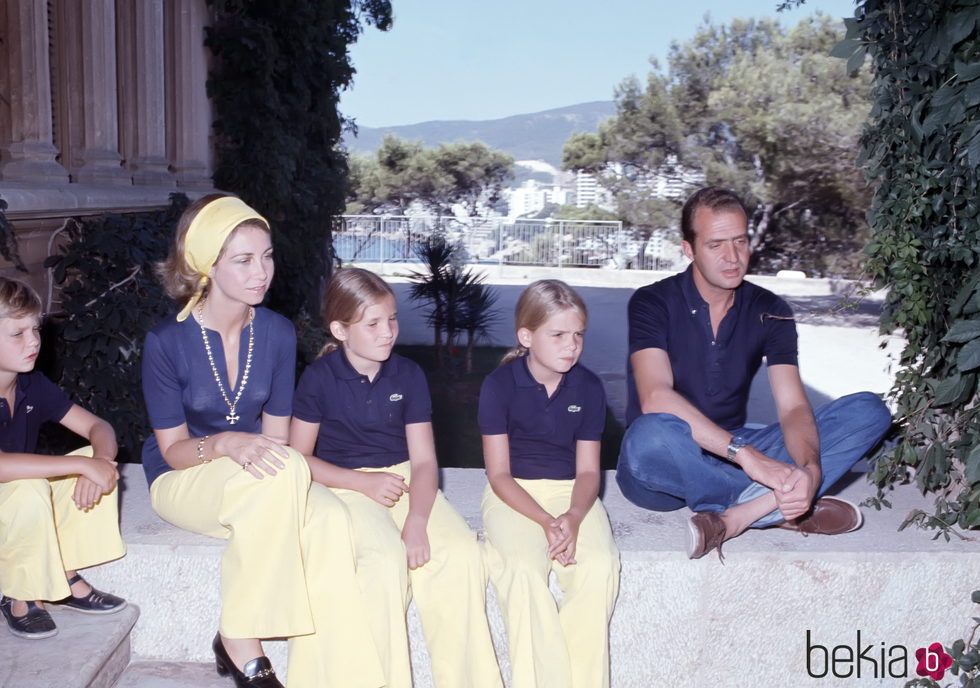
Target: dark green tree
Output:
{"points": [[278, 71]]}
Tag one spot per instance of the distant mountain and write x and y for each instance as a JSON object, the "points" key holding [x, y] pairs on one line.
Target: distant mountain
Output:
{"points": [[535, 136]]}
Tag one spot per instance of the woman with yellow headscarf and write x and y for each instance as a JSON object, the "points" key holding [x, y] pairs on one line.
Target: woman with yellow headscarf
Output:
{"points": [[218, 382]]}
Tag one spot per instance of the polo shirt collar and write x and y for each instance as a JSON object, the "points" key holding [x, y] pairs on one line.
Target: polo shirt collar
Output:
{"points": [[523, 377], [693, 297], [342, 369]]}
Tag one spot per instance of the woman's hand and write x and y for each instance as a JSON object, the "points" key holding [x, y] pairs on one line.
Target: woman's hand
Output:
{"points": [[416, 541], [384, 488], [256, 453]]}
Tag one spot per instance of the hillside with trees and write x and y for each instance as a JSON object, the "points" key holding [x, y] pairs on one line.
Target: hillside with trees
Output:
{"points": [[756, 107]]}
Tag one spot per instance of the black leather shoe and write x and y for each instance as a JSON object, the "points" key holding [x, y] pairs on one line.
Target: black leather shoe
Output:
{"points": [[258, 672], [96, 602], [35, 624]]}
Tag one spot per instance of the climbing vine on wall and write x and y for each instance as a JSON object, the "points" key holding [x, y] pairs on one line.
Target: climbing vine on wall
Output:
{"points": [[922, 150]]}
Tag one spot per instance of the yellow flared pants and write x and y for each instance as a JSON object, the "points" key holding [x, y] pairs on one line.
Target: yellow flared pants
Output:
{"points": [[449, 591], [288, 567], [552, 645], [43, 534]]}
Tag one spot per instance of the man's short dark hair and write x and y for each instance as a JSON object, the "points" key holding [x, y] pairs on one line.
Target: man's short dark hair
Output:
{"points": [[715, 199]]}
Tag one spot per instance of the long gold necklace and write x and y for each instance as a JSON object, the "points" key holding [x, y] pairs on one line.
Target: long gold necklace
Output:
{"points": [[232, 417]]}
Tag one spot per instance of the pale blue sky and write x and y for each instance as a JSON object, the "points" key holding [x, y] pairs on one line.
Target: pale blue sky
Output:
{"points": [[484, 59]]}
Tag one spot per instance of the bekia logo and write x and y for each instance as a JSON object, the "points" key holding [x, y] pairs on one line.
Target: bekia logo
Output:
{"points": [[933, 661], [574, 409], [881, 661], [395, 397]]}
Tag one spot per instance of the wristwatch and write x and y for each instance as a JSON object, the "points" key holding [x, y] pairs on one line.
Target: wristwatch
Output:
{"points": [[734, 445]]}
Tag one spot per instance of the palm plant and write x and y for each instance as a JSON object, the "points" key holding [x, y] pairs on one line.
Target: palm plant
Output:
{"points": [[458, 299]]}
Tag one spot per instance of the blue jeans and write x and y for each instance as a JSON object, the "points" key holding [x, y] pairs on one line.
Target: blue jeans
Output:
{"points": [[662, 468]]}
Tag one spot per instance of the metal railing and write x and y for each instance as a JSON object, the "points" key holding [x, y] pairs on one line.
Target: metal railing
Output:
{"points": [[557, 243]]}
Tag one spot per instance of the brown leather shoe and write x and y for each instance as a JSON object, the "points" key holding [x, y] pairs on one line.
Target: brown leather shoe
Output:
{"points": [[706, 531], [828, 516]]}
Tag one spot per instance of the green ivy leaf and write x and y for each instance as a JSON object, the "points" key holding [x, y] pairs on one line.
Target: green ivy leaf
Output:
{"points": [[954, 389], [856, 60], [960, 25], [969, 356], [972, 462], [845, 48], [963, 331]]}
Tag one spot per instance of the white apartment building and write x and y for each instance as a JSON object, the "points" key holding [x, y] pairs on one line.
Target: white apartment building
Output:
{"points": [[532, 196], [589, 192]]}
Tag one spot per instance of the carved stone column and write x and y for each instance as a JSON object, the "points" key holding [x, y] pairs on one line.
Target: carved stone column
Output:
{"points": [[189, 112], [142, 102], [27, 151], [97, 155]]}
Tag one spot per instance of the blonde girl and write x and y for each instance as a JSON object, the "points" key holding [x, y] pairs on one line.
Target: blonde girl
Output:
{"points": [[362, 416], [541, 415], [218, 382]]}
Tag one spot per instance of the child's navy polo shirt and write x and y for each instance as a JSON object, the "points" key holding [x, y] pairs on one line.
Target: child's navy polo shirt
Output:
{"points": [[37, 400], [713, 373], [542, 432], [362, 423]]}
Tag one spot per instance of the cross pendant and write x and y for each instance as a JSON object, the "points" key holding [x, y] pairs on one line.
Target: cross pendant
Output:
{"points": [[232, 418]]}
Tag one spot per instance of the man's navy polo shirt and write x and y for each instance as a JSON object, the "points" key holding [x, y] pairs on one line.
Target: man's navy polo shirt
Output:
{"points": [[542, 432], [362, 423], [714, 374], [37, 400]]}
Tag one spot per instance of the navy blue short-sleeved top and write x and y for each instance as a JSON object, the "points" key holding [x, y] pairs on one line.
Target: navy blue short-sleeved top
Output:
{"points": [[362, 423], [179, 385], [37, 400], [714, 374], [542, 431]]}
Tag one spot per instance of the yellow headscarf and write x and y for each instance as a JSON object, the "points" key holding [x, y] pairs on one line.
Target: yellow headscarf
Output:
{"points": [[207, 235]]}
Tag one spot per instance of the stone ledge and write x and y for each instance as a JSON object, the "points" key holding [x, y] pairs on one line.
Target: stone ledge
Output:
{"points": [[89, 651], [677, 622]]}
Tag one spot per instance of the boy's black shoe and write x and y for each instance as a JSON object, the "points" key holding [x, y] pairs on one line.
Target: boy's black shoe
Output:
{"points": [[35, 624], [96, 602]]}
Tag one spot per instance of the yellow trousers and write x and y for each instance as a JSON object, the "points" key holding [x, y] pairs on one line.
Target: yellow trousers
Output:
{"points": [[449, 590], [288, 567], [43, 534], [552, 645]]}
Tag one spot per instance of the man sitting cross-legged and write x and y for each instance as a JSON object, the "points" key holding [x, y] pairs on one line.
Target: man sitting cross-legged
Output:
{"points": [[696, 341]]}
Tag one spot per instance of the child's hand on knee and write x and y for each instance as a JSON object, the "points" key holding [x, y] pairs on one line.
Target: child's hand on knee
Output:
{"points": [[416, 541], [563, 549], [384, 488], [102, 472]]}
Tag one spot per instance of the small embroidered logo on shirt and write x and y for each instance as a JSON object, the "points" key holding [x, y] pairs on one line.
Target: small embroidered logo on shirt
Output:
{"points": [[29, 408], [395, 397], [574, 409]]}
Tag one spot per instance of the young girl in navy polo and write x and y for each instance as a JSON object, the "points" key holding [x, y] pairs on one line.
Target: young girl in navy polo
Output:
{"points": [[541, 416], [57, 513], [218, 383], [362, 415]]}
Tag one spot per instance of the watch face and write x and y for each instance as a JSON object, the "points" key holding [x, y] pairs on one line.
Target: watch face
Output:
{"points": [[733, 447]]}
